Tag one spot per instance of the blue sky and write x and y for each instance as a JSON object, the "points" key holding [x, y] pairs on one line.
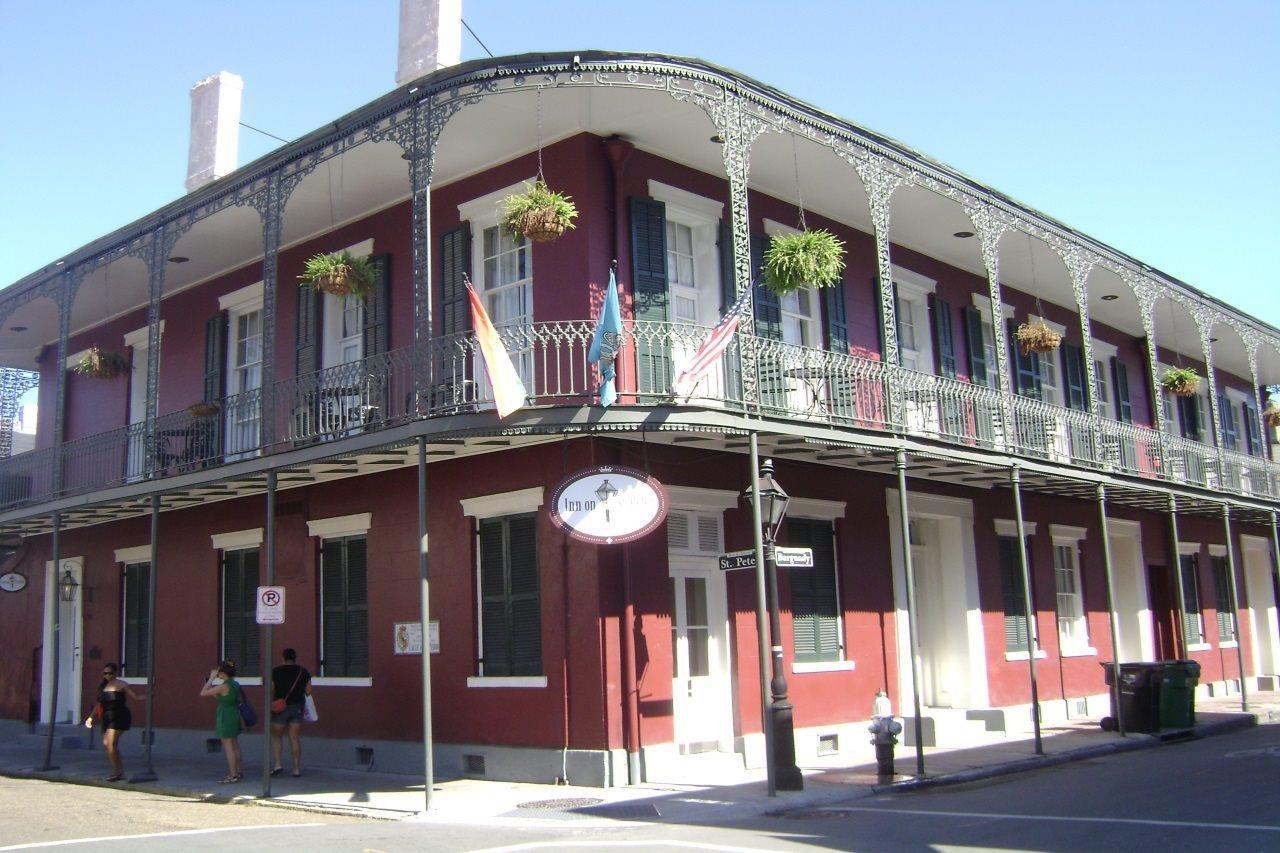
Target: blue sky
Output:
{"points": [[1152, 126]]}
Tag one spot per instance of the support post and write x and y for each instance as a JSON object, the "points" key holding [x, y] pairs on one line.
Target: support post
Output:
{"points": [[1015, 480], [762, 627], [148, 773], [269, 635], [904, 524], [787, 776], [424, 619], [1235, 606], [56, 628], [1175, 563], [631, 700], [1111, 609], [1275, 545]]}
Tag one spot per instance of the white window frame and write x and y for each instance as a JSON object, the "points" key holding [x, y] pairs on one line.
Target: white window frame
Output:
{"points": [[983, 305], [338, 527], [127, 557], [332, 315], [1104, 392], [495, 506], [1064, 536], [139, 340], [789, 305], [1052, 361], [1221, 552], [702, 216], [248, 680], [1238, 399], [237, 304], [914, 289]]}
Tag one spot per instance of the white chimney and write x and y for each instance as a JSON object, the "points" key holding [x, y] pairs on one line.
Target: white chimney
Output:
{"points": [[215, 128], [430, 37]]}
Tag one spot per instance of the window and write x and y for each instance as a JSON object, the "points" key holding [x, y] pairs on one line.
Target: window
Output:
{"points": [[1011, 588], [815, 599], [798, 321], [344, 596], [1222, 601], [1073, 632], [911, 305], [136, 593], [244, 375], [693, 533], [510, 617], [239, 610], [680, 273], [1192, 621]]}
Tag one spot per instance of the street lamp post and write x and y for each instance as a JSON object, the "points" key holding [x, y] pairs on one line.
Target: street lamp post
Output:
{"points": [[773, 505]]}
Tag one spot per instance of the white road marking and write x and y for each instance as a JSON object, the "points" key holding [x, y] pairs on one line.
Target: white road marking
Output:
{"points": [[598, 845], [1062, 818], [102, 839]]}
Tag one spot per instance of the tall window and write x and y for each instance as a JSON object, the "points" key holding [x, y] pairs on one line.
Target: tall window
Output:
{"points": [[239, 610], [1073, 633], [344, 596], [1011, 588], [1050, 387], [815, 600], [350, 339], [508, 290], [1222, 601], [510, 618], [137, 591], [244, 375], [1192, 620], [798, 325], [1102, 388], [680, 273]]}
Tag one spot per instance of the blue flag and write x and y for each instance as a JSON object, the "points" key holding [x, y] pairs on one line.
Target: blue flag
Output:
{"points": [[607, 341]]}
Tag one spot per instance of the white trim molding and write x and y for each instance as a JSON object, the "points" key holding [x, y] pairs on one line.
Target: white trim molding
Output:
{"points": [[236, 539], [137, 554], [242, 298], [1103, 350], [535, 681], [1060, 328], [983, 304], [340, 525], [1217, 550], [1185, 548], [695, 498], [1009, 527], [337, 681], [912, 283], [484, 209], [774, 228], [698, 205], [141, 337], [1065, 534], [823, 666], [74, 358], [503, 503], [932, 506], [823, 510]]}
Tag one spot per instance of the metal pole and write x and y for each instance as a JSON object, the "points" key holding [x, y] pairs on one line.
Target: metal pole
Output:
{"points": [[267, 686], [57, 620], [1275, 546], [424, 620], [148, 773], [762, 627], [1111, 610], [1235, 606], [904, 523], [630, 705], [1015, 479], [787, 776], [1175, 560]]}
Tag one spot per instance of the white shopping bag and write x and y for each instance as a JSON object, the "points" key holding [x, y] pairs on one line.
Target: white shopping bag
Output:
{"points": [[309, 711]]}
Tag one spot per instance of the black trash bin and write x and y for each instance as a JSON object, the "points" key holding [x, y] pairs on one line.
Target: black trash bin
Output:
{"points": [[1139, 696]]}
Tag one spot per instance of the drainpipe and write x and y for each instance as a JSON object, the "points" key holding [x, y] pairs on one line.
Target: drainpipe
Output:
{"points": [[1111, 610], [424, 625], [148, 773], [1015, 480], [57, 619], [1180, 634], [268, 635], [1235, 606], [900, 465]]}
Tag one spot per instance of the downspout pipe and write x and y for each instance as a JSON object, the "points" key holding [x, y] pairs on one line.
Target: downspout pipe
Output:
{"points": [[904, 520], [424, 623], [1111, 609], [1015, 480], [56, 629], [1235, 606], [148, 773], [268, 635]]}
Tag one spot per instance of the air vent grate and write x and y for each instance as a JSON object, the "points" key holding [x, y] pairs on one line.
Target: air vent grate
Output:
{"points": [[473, 765], [828, 744]]}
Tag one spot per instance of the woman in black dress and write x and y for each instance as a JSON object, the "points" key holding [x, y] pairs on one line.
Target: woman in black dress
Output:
{"points": [[113, 696]]}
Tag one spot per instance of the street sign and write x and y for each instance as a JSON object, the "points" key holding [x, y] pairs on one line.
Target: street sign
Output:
{"points": [[787, 558], [270, 605]]}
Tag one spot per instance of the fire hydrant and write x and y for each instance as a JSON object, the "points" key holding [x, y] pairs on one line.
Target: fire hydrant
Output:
{"points": [[884, 730]]}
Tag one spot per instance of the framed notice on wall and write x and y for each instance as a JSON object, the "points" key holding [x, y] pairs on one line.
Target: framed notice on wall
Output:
{"points": [[407, 637]]}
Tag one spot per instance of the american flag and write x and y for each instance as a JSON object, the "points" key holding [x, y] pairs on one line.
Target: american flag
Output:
{"points": [[706, 356]]}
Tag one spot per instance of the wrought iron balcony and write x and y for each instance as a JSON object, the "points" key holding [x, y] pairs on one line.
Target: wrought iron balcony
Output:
{"points": [[445, 377]]}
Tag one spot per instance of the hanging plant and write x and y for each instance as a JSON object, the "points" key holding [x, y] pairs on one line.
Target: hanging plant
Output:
{"points": [[1271, 414], [804, 259], [1037, 337], [203, 410], [102, 364], [539, 213], [1181, 381], [339, 273]]}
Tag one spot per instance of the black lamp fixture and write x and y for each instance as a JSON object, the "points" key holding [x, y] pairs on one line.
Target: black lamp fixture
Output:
{"points": [[773, 500], [17, 328], [963, 235], [1110, 297], [718, 139], [178, 259], [67, 586]]}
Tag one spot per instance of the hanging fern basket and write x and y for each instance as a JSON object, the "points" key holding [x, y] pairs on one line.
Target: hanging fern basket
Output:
{"points": [[805, 259], [203, 410], [1271, 415], [1037, 338], [102, 364], [1181, 381], [339, 273], [538, 214]]}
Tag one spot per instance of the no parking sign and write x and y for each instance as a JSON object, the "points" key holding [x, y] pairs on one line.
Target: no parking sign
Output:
{"points": [[270, 605]]}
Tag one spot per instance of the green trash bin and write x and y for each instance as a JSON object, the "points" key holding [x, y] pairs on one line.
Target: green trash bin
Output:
{"points": [[1178, 694]]}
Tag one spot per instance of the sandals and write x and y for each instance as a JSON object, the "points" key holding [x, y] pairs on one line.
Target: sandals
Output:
{"points": [[297, 773], [116, 777], [227, 780], [276, 771]]}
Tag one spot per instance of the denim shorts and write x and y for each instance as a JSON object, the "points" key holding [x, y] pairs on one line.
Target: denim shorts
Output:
{"points": [[290, 714]]}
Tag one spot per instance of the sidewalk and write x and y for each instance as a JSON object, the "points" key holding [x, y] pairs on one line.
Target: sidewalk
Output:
{"points": [[394, 797]]}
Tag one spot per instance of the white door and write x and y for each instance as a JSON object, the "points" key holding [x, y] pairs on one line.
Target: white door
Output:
{"points": [[703, 715], [1133, 612], [138, 412], [1263, 623], [244, 375], [70, 638]]}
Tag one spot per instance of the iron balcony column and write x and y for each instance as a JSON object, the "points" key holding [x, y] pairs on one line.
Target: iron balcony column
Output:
{"points": [[1112, 618], [1015, 480], [55, 629], [1235, 606], [904, 523], [155, 285], [1175, 561], [148, 773], [762, 625], [424, 623]]}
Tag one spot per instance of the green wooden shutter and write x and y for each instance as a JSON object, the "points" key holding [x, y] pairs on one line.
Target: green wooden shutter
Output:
{"points": [[1120, 379], [357, 605], [1015, 622], [1026, 367], [1222, 601], [837, 322], [215, 357], [495, 655], [232, 612], [649, 286], [1252, 444], [525, 615], [944, 335], [455, 266], [376, 332], [307, 334], [1192, 624], [1227, 416], [815, 608], [1189, 417], [133, 658], [333, 609], [1074, 372], [768, 307], [251, 665], [974, 345]]}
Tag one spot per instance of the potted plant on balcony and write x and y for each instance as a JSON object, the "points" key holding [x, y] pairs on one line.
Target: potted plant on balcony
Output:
{"points": [[1181, 381], [339, 273], [203, 410], [98, 363], [1037, 337], [539, 213], [808, 258], [1271, 414]]}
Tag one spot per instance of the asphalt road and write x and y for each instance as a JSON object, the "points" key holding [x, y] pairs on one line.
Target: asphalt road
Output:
{"points": [[1214, 794]]}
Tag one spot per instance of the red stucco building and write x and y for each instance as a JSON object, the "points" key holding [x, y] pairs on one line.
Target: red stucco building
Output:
{"points": [[557, 657]]}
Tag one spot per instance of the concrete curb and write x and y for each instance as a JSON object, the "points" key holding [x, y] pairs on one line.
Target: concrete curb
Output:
{"points": [[1134, 742]]}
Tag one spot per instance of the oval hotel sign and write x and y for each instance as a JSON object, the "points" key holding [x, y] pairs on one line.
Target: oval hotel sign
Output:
{"points": [[609, 504]]}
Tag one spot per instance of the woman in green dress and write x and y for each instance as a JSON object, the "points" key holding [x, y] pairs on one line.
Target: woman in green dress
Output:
{"points": [[227, 724]]}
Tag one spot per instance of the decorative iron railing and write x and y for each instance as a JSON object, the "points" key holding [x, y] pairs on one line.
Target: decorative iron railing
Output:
{"points": [[446, 376]]}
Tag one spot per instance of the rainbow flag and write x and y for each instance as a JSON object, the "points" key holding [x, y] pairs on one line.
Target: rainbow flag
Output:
{"points": [[508, 389]]}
